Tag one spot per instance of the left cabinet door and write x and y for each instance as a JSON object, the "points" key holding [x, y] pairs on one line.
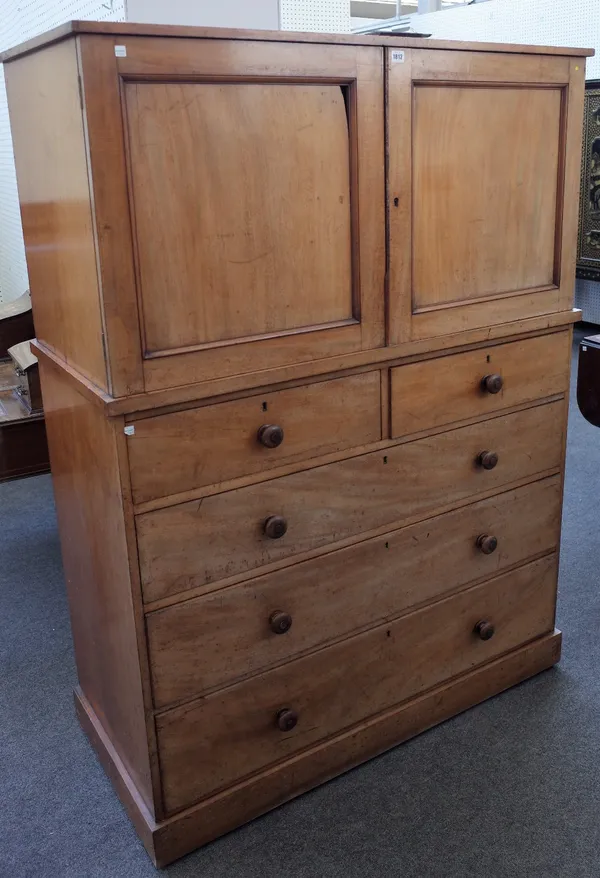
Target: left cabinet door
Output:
{"points": [[239, 191]]}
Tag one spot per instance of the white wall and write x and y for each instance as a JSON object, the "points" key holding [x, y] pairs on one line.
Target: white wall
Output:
{"points": [[326, 16], [206, 13], [539, 22], [20, 22]]}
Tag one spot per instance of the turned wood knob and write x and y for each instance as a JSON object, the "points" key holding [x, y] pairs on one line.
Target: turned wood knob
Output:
{"points": [[487, 543], [492, 383], [270, 435], [275, 527], [484, 629], [287, 719], [280, 622], [487, 459]]}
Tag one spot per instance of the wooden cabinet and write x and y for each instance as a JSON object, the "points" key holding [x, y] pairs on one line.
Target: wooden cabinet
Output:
{"points": [[304, 316]]}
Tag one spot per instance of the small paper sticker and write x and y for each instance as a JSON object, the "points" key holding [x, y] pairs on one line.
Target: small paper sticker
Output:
{"points": [[129, 431], [397, 56], [121, 51]]}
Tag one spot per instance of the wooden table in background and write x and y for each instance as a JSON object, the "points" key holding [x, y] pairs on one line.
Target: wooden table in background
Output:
{"points": [[23, 445]]}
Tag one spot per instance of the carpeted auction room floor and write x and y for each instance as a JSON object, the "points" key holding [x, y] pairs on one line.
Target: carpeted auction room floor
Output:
{"points": [[510, 789]]}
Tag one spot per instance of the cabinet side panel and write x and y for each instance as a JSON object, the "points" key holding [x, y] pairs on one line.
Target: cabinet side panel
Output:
{"points": [[89, 504], [50, 157]]}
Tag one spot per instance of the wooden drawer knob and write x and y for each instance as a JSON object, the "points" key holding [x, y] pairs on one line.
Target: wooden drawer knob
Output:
{"points": [[275, 527], [287, 719], [487, 543], [487, 459], [270, 435], [485, 630], [492, 383], [280, 623]]}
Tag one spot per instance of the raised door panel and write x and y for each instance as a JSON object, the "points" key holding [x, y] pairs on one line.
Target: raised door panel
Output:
{"points": [[485, 171], [242, 206], [254, 175], [481, 213]]}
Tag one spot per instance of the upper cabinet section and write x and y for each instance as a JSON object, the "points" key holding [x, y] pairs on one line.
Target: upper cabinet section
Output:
{"points": [[204, 205], [482, 148], [252, 182]]}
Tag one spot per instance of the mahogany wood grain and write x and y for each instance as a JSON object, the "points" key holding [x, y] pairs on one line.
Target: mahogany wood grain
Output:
{"points": [[361, 325], [138, 405], [138, 612], [257, 232], [487, 67], [435, 392], [488, 311], [56, 210], [470, 241], [474, 264], [196, 826], [213, 640], [225, 737], [101, 96], [198, 543], [567, 250], [176, 452], [282, 563], [127, 29], [89, 505]]}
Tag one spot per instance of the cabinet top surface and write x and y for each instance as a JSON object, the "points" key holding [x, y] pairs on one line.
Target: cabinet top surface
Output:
{"points": [[130, 29]]}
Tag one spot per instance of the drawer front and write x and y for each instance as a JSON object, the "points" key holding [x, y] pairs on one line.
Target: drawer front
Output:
{"points": [[232, 633], [205, 446], [462, 386], [195, 544], [214, 742]]}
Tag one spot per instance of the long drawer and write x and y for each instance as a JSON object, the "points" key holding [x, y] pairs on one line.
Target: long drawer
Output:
{"points": [[469, 385], [201, 542], [179, 451], [222, 738], [238, 631]]}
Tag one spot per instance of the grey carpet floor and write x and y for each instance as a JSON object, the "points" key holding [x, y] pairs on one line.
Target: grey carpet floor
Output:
{"points": [[510, 789]]}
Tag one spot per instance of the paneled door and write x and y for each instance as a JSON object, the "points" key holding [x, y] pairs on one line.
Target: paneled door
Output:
{"points": [[256, 199], [482, 147]]}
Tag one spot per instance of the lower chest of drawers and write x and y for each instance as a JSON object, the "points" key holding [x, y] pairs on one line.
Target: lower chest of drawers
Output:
{"points": [[222, 738], [282, 612]]}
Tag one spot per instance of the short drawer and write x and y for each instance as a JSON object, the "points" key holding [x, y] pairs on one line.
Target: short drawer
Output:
{"points": [[462, 386], [195, 544], [214, 742], [179, 451], [238, 631]]}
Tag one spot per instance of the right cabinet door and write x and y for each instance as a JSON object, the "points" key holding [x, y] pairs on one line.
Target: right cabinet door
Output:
{"points": [[484, 157]]}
